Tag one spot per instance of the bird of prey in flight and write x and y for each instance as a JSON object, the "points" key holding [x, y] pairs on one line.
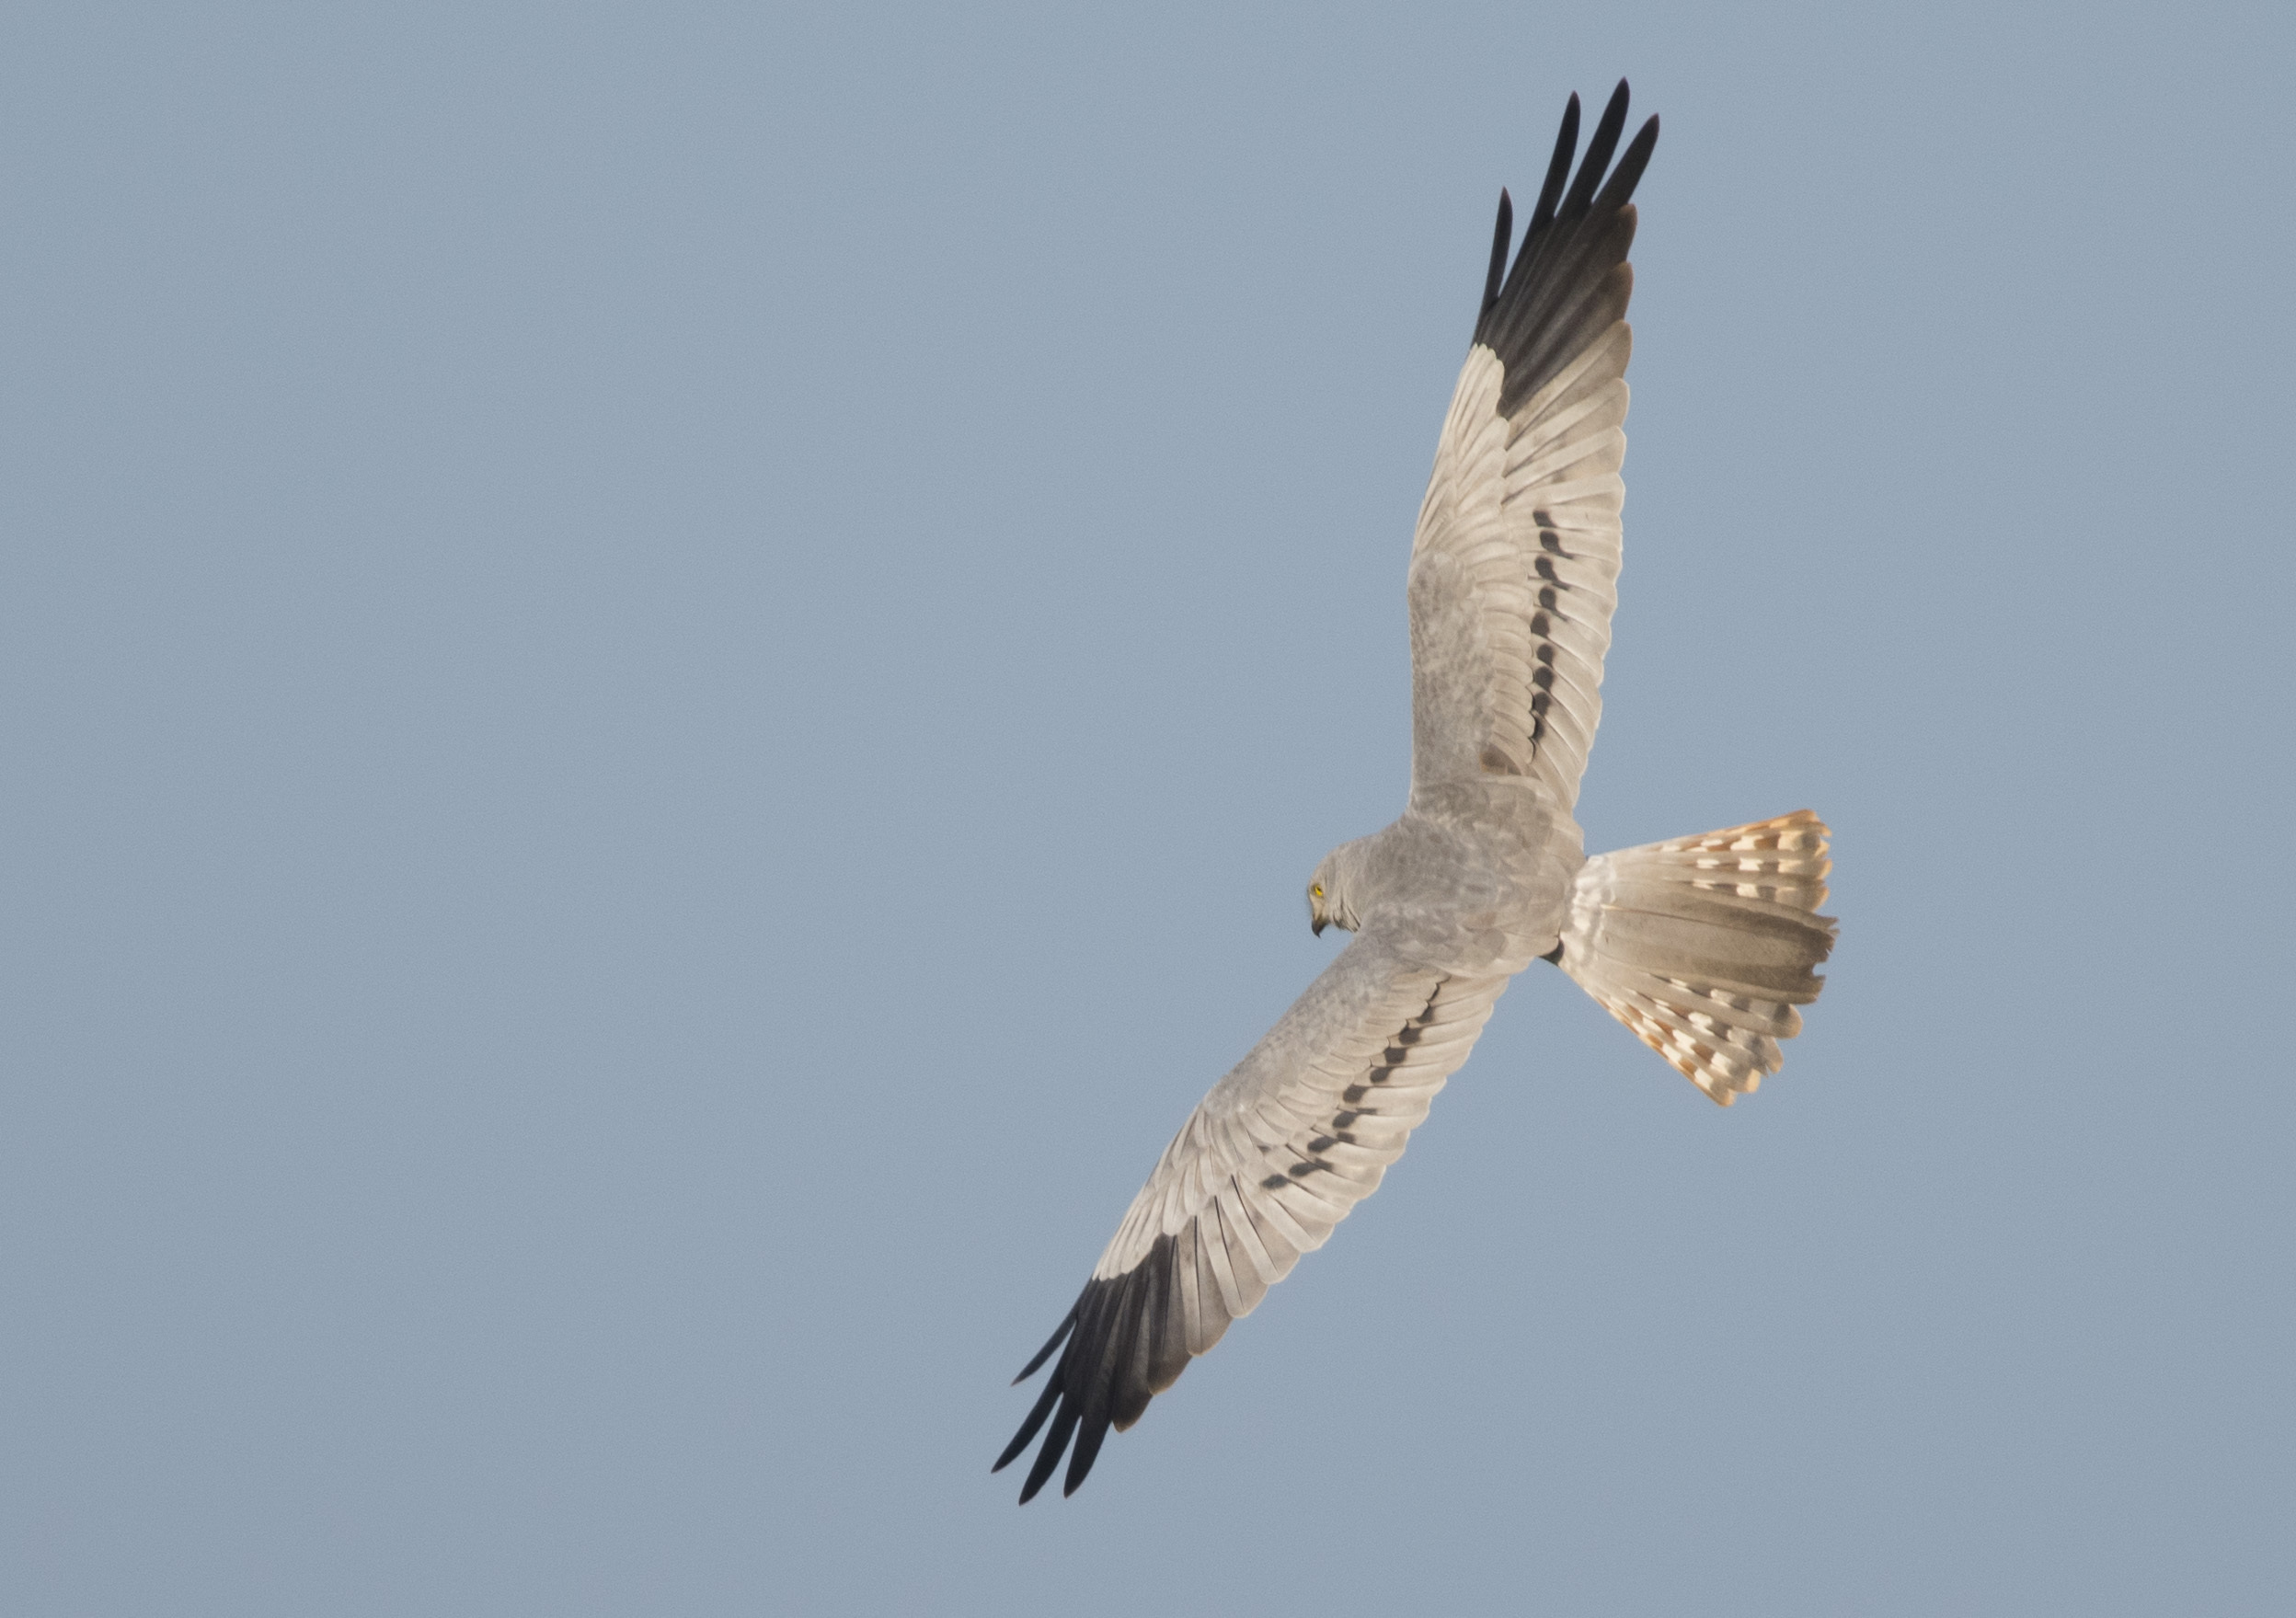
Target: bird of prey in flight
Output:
{"points": [[1703, 946]]}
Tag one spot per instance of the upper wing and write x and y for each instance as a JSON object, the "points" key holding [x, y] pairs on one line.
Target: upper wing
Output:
{"points": [[1515, 561], [1277, 1153]]}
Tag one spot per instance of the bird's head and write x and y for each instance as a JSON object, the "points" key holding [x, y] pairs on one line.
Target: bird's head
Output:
{"points": [[1327, 904]]}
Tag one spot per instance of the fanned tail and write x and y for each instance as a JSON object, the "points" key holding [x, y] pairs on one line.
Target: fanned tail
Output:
{"points": [[1703, 946]]}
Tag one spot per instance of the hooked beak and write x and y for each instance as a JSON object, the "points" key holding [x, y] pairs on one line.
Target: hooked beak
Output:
{"points": [[1318, 924]]}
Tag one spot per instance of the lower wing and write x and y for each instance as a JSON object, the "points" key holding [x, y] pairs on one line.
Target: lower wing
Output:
{"points": [[1276, 1154]]}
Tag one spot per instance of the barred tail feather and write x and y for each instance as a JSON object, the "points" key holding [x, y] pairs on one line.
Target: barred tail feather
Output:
{"points": [[1703, 946]]}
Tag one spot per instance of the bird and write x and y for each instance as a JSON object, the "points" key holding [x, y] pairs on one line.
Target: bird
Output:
{"points": [[1703, 946]]}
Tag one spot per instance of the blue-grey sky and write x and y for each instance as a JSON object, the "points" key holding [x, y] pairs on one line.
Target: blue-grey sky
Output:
{"points": [[672, 673]]}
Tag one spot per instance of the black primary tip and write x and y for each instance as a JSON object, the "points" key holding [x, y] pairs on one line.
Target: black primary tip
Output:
{"points": [[1628, 173], [1045, 1353], [1604, 142], [1557, 167], [1048, 1456], [1029, 1428], [1500, 240]]}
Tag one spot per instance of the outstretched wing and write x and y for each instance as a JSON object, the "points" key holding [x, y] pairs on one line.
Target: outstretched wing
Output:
{"points": [[1276, 1154], [1514, 565]]}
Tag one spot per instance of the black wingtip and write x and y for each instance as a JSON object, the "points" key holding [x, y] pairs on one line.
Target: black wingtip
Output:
{"points": [[1568, 280], [1628, 173], [1124, 1342], [1048, 1456], [1029, 1428], [1604, 141], [1500, 237], [1557, 168], [1114, 1361], [1051, 1343]]}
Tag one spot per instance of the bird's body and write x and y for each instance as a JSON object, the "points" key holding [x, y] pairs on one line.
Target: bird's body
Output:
{"points": [[1500, 853], [1703, 946]]}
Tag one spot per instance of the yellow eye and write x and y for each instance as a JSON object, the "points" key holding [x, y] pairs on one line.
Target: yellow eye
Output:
{"points": [[1315, 890]]}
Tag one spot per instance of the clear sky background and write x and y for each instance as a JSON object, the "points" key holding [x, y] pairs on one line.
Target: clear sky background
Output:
{"points": [[671, 674]]}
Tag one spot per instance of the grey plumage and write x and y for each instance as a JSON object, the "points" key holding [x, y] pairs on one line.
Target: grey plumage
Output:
{"points": [[1703, 946]]}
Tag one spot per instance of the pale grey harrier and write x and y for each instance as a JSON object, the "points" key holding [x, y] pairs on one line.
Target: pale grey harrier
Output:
{"points": [[1703, 946]]}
